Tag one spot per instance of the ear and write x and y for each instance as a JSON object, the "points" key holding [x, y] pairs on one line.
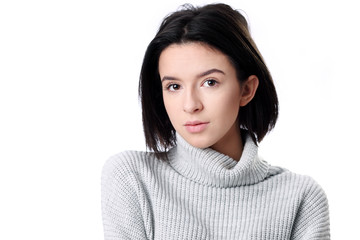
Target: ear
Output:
{"points": [[248, 90]]}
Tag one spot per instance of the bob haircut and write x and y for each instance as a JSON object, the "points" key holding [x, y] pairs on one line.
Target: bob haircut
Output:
{"points": [[225, 29]]}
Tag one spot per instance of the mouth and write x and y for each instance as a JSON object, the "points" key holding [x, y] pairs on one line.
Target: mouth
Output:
{"points": [[195, 126]]}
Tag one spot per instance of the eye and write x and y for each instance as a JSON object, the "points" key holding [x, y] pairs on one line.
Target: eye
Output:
{"points": [[173, 87], [210, 83]]}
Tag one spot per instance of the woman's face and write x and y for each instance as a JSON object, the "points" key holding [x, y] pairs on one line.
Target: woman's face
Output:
{"points": [[201, 93]]}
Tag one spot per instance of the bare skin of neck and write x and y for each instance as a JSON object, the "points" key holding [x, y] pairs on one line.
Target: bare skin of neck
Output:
{"points": [[231, 144]]}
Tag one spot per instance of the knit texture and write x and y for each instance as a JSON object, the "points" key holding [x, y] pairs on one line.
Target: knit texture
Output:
{"points": [[203, 194]]}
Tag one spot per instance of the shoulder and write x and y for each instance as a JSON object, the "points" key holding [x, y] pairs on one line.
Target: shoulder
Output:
{"points": [[304, 181], [126, 162], [125, 206], [312, 192], [304, 185], [122, 175], [312, 208], [130, 164]]}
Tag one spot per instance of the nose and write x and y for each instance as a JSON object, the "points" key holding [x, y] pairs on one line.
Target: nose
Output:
{"points": [[192, 102]]}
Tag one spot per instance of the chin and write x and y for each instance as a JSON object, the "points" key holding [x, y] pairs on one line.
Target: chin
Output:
{"points": [[197, 145], [199, 141]]}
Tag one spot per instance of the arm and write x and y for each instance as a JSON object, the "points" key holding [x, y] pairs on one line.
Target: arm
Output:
{"points": [[312, 220], [121, 209]]}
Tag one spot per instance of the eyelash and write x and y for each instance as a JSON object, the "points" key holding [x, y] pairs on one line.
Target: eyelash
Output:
{"points": [[170, 86], [213, 80]]}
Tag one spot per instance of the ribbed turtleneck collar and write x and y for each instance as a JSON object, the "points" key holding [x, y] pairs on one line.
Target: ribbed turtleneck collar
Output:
{"points": [[209, 167]]}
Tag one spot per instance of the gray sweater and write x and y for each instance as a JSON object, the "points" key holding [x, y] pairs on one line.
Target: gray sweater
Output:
{"points": [[203, 194]]}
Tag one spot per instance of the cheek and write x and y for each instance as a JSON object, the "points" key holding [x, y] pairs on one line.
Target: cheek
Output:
{"points": [[227, 104], [167, 104], [170, 107]]}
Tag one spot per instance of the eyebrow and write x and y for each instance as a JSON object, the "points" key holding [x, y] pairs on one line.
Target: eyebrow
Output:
{"points": [[213, 70]]}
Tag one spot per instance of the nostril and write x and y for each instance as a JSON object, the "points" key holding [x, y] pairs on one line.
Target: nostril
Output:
{"points": [[193, 108], [192, 102]]}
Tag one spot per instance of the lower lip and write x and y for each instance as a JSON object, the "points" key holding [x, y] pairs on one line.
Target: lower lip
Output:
{"points": [[196, 128]]}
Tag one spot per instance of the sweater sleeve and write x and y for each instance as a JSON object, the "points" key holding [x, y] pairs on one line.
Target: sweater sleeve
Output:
{"points": [[312, 220], [121, 207]]}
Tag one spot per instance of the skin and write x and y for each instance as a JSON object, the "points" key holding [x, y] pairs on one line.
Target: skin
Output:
{"points": [[202, 96]]}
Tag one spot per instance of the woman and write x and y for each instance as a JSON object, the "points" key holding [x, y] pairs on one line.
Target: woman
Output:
{"points": [[207, 99]]}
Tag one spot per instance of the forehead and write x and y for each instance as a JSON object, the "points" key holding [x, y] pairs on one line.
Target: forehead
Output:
{"points": [[191, 57], [190, 49]]}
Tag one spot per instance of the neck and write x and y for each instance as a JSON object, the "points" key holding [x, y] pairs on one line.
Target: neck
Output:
{"points": [[210, 167], [231, 144]]}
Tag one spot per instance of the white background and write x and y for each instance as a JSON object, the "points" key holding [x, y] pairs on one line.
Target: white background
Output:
{"points": [[68, 100]]}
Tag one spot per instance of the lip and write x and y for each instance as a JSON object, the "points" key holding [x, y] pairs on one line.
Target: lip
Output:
{"points": [[195, 126]]}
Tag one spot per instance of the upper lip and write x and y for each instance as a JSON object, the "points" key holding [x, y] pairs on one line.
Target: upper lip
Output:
{"points": [[193, 123]]}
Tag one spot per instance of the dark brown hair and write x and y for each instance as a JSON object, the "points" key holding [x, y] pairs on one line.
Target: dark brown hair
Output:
{"points": [[225, 29]]}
